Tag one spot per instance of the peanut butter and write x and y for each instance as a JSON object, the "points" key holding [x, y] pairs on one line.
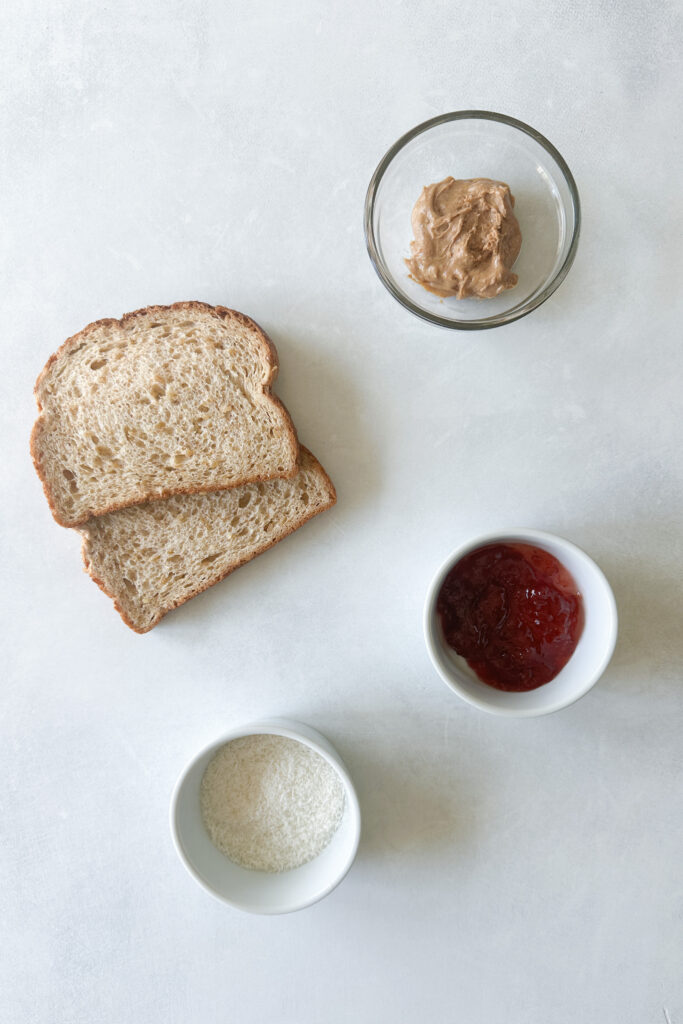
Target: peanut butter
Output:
{"points": [[466, 238]]}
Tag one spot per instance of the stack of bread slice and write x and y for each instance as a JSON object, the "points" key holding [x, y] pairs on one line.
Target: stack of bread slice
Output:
{"points": [[160, 441]]}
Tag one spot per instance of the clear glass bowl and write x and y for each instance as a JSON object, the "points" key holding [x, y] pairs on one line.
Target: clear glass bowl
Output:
{"points": [[475, 144]]}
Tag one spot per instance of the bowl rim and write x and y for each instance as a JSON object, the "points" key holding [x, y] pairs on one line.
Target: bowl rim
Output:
{"points": [[525, 535], [302, 733], [482, 323]]}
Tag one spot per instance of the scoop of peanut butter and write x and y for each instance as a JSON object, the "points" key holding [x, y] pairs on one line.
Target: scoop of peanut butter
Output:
{"points": [[466, 238]]}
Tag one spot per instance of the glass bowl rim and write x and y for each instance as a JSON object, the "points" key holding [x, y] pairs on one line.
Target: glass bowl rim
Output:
{"points": [[499, 319]]}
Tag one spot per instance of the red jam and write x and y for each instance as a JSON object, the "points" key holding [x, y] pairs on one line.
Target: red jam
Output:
{"points": [[513, 612]]}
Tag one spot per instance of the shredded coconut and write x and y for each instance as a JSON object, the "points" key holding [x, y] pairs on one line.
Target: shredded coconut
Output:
{"points": [[270, 803]]}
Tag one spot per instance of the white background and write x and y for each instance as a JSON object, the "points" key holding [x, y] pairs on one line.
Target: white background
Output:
{"points": [[512, 872]]}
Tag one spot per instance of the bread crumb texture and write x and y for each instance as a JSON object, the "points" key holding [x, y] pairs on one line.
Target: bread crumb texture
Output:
{"points": [[168, 400], [151, 558], [270, 803]]}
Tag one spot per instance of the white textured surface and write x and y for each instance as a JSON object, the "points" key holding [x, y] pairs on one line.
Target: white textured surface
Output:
{"points": [[513, 872]]}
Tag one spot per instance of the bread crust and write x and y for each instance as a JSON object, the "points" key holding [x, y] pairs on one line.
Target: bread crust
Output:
{"points": [[332, 499], [270, 359]]}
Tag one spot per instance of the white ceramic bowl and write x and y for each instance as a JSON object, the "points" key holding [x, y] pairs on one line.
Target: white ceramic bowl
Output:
{"points": [[257, 891], [584, 668]]}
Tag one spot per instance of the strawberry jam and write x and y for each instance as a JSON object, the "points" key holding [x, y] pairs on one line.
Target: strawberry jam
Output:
{"points": [[513, 612]]}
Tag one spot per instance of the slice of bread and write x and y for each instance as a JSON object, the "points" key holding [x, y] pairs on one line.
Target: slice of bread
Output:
{"points": [[151, 558], [167, 400]]}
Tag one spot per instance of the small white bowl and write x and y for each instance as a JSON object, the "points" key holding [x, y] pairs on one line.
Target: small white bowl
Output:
{"points": [[584, 668], [261, 892]]}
